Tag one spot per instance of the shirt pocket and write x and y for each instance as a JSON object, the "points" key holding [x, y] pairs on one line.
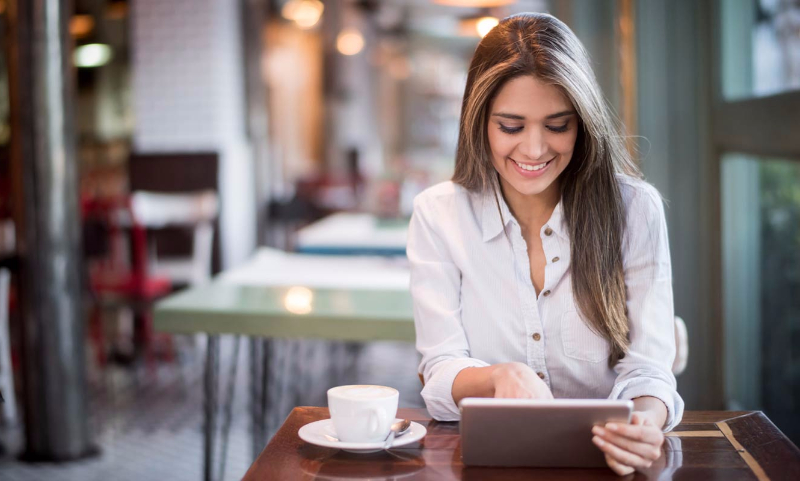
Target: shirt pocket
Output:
{"points": [[579, 341]]}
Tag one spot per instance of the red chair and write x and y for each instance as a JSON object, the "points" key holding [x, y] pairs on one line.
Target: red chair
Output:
{"points": [[121, 278]]}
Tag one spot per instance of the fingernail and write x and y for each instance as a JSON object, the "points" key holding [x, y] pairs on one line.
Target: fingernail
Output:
{"points": [[598, 441], [598, 430], [611, 427]]}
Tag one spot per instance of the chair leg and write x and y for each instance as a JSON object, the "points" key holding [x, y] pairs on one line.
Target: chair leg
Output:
{"points": [[169, 348], [97, 334], [144, 337]]}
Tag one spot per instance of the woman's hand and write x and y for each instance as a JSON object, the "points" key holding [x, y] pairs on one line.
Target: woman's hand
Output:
{"points": [[517, 380], [629, 446]]}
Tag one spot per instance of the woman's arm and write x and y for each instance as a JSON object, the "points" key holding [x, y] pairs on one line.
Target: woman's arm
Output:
{"points": [[652, 408], [644, 373], [436, 293], [646, 369], [508, 380]]}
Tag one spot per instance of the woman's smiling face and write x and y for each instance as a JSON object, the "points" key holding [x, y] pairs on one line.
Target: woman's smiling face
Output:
{"points": [[532, 131]]}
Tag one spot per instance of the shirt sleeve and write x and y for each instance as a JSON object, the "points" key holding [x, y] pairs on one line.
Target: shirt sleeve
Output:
{"points": [[646, 369], [436, 293]]}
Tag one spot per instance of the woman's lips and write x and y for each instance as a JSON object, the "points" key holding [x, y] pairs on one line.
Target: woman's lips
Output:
{"points": [[532, 170]]}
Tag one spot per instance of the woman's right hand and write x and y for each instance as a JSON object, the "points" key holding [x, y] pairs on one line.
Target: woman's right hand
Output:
{"points": [[518, 381]]}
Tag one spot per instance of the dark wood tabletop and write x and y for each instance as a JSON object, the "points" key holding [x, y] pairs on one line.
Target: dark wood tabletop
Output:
{"points": [[707, 445]]}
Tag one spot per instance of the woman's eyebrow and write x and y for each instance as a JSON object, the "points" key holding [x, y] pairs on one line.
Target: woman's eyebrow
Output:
{"points": [[506, 115], [559, 114]]}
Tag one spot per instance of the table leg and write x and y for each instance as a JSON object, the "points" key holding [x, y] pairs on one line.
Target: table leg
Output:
{"points": [[228, 408], [256, 364], [210, 404], [259, 393], [266, 348]]}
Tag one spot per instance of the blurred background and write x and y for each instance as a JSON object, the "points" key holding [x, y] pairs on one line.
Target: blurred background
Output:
{"points": [[152, 146]]}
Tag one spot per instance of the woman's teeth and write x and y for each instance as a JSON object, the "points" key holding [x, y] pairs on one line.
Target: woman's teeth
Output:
{"points": [[532, 168]]}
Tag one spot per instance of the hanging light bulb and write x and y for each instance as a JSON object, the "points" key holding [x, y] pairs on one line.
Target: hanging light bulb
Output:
{"points": [[349, 41], [485, 25], [474, 3], [92, 55], [304, 13], [81, 25]]}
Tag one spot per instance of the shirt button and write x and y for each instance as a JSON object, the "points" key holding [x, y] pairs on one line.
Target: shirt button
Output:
{"points": [[548, 231], [556, 259], [546, 293], [541, 374], [537, 336]]}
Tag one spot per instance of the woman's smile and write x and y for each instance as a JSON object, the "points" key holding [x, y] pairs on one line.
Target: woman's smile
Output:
{"points": [[531, 170]]}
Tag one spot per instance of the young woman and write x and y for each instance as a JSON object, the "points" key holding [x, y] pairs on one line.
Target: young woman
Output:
{"points": [[542, 269]]}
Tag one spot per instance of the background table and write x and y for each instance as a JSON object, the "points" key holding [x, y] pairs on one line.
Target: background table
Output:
{"points": [[284, 295], [706, 445], [348, 233]]}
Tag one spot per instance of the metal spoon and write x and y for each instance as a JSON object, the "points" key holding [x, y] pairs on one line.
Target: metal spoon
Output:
{"points": [[398, 429]]}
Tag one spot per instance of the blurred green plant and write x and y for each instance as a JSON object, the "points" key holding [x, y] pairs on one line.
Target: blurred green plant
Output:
{"points": [[780, 291]]}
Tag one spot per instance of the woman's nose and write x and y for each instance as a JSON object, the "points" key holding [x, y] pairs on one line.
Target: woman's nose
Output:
{"points": [[533, 145]]}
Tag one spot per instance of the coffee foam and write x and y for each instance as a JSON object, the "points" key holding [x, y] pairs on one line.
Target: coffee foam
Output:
{"points": [[365, 392]]}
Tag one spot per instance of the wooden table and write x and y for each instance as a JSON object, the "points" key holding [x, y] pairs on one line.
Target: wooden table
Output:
{"points": [[707, 445]]}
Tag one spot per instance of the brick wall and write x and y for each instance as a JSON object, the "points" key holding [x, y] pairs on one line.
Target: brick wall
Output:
{"points": [[188, 96]]}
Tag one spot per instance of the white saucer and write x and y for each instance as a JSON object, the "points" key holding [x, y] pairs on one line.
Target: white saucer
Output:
{"points": [[322, 433]]}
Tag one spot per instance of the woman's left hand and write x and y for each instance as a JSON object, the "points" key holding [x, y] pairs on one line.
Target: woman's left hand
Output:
{"points": [[629, 446]]}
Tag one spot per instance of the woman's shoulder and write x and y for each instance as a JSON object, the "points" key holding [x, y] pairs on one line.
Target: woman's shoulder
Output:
{"points": [[445, 195], [638, 195]]}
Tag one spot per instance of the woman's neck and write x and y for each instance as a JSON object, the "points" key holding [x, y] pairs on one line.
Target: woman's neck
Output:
{"points": [[531, 211]]}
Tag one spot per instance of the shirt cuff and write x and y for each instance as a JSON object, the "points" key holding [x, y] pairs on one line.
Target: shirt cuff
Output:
{"points": [[638, 387], [438, 389]]}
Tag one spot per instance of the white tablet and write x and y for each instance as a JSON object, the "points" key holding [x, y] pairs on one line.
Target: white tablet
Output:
{"points": [[527, 432]]}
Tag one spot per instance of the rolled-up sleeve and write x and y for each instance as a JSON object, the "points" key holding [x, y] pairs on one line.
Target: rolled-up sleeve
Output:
{"points": [[646, 369], [436, 293]]}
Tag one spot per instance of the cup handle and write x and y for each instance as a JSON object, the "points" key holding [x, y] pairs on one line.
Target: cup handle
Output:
{"points": [[375, 416]]}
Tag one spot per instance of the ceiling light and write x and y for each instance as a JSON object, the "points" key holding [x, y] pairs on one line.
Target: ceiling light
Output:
{"points": [[117, 10], [349, 41], [474, 3], [92, 55], [305, 13], [81, 25], [485, 25]]}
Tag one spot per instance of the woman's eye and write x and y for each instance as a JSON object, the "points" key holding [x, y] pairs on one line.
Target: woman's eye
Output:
{"points": [[509, 130], [558, 128]]}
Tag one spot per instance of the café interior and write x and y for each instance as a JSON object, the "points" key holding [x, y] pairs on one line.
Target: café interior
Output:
{"points": [[204, 209]]}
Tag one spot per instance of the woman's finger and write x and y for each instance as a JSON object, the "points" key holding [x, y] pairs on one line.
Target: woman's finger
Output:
{"points": [[618, 468], [644, 450], [622, 456], [643, 433]]}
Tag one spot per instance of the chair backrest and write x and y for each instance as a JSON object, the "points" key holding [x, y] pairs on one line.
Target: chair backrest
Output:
{"points": [[681, 347], [197, 211], [176, 173], [156, 210]]}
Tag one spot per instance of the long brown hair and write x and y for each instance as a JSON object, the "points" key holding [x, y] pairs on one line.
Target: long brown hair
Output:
{"points": [[544, 47]]}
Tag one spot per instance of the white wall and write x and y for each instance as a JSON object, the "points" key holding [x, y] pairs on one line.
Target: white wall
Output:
{"points": [[188, 96]]}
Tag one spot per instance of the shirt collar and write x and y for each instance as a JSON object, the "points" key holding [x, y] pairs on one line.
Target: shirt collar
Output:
{"points": [[491, 222]]}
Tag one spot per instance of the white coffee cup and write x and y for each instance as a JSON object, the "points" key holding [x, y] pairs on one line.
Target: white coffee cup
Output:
{"points": [[362, 413]]}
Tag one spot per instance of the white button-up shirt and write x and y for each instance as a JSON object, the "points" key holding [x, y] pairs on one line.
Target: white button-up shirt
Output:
{"points": [[475, 304]]}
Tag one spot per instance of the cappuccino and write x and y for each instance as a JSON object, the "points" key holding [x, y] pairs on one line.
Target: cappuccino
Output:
{"points": [[362, 413], [364, 392]]}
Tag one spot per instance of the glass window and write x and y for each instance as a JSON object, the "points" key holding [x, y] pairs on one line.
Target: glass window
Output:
{"points": [[760, 47], [761, 283]]}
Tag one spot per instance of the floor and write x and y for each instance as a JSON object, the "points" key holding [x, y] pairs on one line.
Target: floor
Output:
{"points": [[148, 423]]}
